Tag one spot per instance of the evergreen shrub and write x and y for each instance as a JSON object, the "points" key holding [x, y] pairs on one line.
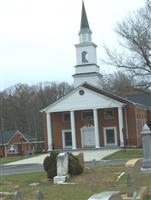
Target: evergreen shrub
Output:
{"points": [[50, 165]]}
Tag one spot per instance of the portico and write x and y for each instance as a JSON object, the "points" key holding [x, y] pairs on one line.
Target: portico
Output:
{"points": [[89, 130]]}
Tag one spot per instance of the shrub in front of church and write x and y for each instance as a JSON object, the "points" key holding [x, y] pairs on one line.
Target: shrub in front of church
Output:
{"points": [[50, 165], [74, 166]]}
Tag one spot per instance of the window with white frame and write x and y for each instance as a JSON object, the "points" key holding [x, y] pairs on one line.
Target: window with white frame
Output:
{"points": [[67, 138], [110, 136]]}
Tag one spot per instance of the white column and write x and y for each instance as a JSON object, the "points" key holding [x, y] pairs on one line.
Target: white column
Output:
{"points": [[96, 128], [49, 132], [73, 130], [120, 120]]}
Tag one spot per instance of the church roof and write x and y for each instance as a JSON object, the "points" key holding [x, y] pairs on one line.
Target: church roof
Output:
{"points": [[84, 27], [7, 135], [109, 95], [143, 99], [104, 92]]}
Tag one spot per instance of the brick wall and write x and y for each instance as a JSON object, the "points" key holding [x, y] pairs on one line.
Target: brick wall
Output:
{"points": [[141, 119], [107, 123], [131, 115], [149, 115], [58, 125], [1, 151]]}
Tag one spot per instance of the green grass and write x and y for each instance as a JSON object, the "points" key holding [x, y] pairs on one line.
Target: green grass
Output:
{"points": [[90, 182], [4, 160], [125, 154], [93, 180], [148, 197]]}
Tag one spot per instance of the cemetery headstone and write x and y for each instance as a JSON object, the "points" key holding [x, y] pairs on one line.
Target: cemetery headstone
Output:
{"points": [[133, 172], [62, 168], [146, 137]]}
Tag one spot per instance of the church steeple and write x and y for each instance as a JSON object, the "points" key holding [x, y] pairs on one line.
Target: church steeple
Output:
{"points": [[85, 31], [84, 20], [86, 69]]}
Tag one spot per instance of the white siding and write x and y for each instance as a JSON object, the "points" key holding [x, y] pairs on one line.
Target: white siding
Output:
{"points": [[90, 100]]}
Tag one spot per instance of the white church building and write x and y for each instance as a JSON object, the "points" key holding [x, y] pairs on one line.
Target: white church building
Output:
{"points": [[88, 116]]}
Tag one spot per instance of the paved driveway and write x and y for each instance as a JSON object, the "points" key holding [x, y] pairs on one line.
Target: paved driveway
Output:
{"points": [[89, 155]]}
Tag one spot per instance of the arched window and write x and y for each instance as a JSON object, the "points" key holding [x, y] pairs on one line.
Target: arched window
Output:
{"points": [[84, 57]]}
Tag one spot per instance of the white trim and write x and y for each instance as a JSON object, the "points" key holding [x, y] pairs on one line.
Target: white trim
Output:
{"points": [[96, 128], [73, 130], [126, 123], [114, 103], [62, 98], [49, 132], [63, 138], [115, 135], [120, 120]]}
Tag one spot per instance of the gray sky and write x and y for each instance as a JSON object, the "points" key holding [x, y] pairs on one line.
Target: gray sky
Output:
{"points": [[37, 37]]}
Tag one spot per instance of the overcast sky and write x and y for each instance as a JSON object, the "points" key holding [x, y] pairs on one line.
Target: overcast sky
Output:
{"points": [[37, 37]]}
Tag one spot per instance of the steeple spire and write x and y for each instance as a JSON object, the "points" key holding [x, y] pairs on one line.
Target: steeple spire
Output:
{"points": [[84, 20], [86, 69], [84, 27]]}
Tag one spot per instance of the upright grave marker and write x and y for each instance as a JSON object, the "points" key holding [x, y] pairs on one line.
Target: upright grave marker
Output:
{"points": [[62, 168], [146, 136]]}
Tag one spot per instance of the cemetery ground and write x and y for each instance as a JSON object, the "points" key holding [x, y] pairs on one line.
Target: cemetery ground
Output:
{"points": [[95, 179]]}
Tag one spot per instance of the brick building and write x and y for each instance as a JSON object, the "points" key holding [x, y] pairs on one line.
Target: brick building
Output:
{"points": [[17, 143], [88, 116]]}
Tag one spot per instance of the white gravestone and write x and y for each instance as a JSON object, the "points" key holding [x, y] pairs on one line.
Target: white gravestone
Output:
{"points": [[62, 164], [62, 168]]}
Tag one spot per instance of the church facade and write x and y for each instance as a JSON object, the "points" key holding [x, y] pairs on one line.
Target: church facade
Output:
{"points": [[88, 116]]}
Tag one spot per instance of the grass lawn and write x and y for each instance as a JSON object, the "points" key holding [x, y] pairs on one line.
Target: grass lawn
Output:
{"points": [[93, 180], [126, 154], [122, 154], [148, 197], [13, 158]]}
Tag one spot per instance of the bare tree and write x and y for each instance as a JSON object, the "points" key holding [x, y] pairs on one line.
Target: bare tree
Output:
{"points": [[135, 50], [119, 83], [22, 103]]}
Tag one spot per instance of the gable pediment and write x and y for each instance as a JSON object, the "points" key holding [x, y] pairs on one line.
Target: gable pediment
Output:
{"points": [[83, 98]]}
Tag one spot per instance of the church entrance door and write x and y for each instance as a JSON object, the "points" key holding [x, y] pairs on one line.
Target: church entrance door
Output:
{"points": [[87, 136]]}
